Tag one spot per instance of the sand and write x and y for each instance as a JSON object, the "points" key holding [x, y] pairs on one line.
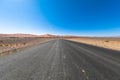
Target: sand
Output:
{"points": [[110, 43]]}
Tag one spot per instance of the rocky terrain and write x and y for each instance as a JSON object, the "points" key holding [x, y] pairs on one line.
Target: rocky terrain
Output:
{"points": [[13, 43]]}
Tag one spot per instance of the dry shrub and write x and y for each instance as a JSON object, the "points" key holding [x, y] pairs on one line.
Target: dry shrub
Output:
{"points": [[6, 45], [107, 41], [1, 44], [24, 43], [1, 41]]}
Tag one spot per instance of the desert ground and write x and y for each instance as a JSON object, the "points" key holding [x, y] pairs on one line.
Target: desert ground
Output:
{"points": [[13, 44], [10, 43], [50, 57], [106, 42]]}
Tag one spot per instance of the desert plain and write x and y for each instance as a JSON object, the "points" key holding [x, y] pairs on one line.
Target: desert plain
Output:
{"points": [[51, 57], [105, 42], [10, 43]]}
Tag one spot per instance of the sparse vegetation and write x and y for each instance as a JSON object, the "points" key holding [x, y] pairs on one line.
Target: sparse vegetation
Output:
{"points": [[24, 43], [1, 45], [14, 43], [1, 41], [107, 41]]}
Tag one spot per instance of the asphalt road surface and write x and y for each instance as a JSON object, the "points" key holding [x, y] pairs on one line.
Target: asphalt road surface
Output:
{"points": [[61, 60]]}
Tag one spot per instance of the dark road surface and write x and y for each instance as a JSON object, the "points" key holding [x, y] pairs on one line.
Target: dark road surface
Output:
{"points": [[61, 60]]}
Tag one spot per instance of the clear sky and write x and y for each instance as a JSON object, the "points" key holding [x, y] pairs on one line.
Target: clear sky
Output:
{"points": [[77, 17]]}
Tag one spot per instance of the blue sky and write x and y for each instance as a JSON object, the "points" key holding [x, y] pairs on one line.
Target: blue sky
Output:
{"points": [[69, 17]]}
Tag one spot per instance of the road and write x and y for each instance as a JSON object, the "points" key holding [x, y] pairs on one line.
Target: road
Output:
{"points": [[61, 60]]}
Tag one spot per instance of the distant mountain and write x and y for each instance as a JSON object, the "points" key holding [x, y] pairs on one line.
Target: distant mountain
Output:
{"points": [[17, 35], [31, 35], [48, 35]]}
